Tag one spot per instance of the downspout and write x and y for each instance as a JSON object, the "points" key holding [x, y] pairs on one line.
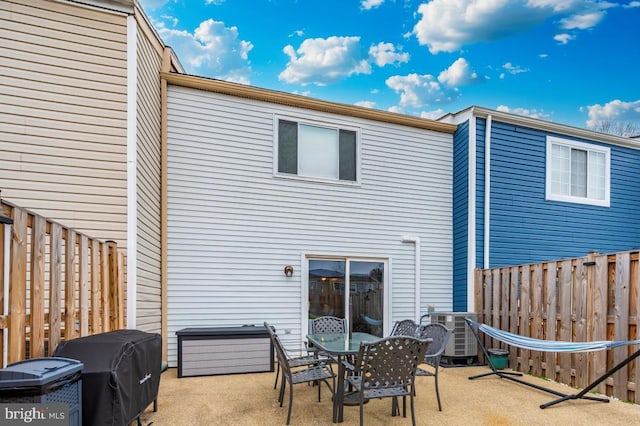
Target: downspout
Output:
{"points": [[487, 192], [6, 261], [132, 160], [416, 242]]}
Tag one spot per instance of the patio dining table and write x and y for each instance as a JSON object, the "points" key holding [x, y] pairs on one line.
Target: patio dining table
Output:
{"points": [[340, 345]]}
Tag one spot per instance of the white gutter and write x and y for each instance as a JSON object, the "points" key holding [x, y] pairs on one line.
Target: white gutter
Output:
{"points": [[471, 213], [132, 160], [5, 286], [416, 242], [487, 191]]}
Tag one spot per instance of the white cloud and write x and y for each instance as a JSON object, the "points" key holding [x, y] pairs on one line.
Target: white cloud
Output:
{"points": [[212, 49], [447, 25], [582, 21], [370, 4], [366, 104], [564, 38], [614, 111], [533, 113], [543, 55], [433, 115], [632, 5], [514, 69], [419, 90], [385, 53], [459, 73], [322, 61], [215, 2]]}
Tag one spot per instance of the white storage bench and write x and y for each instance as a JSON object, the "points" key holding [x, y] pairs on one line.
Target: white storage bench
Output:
{"points": [[224, 350]]}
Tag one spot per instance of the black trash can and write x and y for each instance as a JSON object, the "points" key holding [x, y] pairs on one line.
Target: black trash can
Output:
{"points": [[44, 381], [121, 374]]}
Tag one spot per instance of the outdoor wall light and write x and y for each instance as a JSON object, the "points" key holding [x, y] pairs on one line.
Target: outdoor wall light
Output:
{"points": [[288, 270]]}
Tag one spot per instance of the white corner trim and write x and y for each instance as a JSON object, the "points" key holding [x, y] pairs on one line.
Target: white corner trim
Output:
{"points": [[487, 193], [471, 213], [132, 161]]}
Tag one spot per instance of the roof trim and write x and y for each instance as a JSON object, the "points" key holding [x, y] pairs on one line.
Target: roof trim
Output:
{"points": [[272, 96], [548, 126]]}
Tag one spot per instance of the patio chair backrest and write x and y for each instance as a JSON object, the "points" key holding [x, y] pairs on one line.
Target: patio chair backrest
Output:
{"points": [[406, 327], [327, 324], [281, 353], [440, 336], [390, 363]]}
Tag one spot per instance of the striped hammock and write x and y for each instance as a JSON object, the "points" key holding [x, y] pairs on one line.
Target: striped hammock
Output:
{"points": [[548, 345]]}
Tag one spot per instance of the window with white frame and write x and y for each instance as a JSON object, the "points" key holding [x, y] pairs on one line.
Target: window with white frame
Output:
{"points": [[317, 152], [577, 172]]}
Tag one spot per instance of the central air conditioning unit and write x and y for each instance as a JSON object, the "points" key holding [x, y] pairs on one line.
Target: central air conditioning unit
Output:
{"points": [[462, 343]]}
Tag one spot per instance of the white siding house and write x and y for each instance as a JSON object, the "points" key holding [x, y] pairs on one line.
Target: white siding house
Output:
{"points": [[235, 220]]}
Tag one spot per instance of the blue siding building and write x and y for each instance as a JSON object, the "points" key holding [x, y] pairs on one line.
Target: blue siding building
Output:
{"points": [[527, 191]]}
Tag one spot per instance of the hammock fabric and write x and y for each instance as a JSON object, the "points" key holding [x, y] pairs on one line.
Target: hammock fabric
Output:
{"points": [[548, 345]]}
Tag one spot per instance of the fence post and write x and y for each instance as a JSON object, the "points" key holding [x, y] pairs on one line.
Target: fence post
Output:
{"points": [[114, 287]]}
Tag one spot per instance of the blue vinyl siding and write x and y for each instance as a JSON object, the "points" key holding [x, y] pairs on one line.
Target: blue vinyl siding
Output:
{"points": [[526, 228], [460, 215]]}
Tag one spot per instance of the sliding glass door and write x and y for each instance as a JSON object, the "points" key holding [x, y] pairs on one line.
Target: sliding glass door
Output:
{"points": [[349, 288]]}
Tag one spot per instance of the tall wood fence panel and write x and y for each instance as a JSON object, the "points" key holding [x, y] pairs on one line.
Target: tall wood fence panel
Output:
{"points": [[596, 297], [55, 284]]}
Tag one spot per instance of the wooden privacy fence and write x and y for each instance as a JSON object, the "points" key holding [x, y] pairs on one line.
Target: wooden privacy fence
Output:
{"points": [[55, 284], [596, 297]]}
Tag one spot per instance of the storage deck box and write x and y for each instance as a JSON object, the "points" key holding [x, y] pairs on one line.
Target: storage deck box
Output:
{"points": [[224, 350], [44, 380]]}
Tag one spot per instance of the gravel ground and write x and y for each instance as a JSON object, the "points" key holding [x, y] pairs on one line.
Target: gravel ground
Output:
{"points": [[249, 399]]}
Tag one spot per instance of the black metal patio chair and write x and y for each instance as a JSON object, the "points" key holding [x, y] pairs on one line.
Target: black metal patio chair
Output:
{"points": [[386, 368], [407, 327], [440, 337], [318, 372], [294, 361]]}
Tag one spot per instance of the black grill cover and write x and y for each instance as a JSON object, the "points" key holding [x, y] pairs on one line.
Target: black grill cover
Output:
{"points": [[121, 374]]}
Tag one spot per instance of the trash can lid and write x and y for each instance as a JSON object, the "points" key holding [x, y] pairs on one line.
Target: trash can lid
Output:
{"points": [[37, 371]]}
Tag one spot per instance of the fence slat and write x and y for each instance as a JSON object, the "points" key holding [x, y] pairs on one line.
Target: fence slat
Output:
{"points": [[579, 314], [621, 322], [565, 290], [537, 322], [70, 286], [525, 315], [36, 307], [83, 285], [551, 313], [55, 287], [18, 289]]}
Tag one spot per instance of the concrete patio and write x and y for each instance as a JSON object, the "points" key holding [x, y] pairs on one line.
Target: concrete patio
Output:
{"points": [[249, 399]]}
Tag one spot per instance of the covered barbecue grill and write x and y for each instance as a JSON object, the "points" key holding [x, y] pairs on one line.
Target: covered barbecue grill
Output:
{"points": [[121, 374]]}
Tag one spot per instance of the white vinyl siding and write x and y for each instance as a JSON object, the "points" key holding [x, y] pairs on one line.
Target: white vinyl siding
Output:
{"points": [[63, 121], [233, 225], [148, 291], [577, 172]]}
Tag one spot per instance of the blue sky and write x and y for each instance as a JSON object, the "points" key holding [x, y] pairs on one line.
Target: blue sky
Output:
{"points": [[574, 62]]}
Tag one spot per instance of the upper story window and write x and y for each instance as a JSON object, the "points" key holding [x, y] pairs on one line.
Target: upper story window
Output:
{"points": [[577, 172], [317, 152]]}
